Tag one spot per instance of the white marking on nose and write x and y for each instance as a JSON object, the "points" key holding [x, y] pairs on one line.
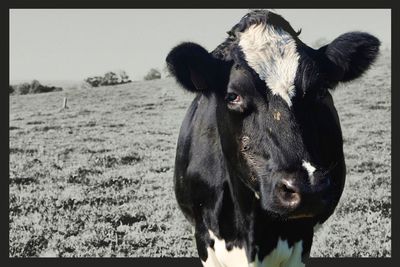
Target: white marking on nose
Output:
{"points": [[309, 168], [272, 53]]}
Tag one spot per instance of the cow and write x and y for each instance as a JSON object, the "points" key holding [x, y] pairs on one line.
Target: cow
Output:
{"points": [[259, 160]]}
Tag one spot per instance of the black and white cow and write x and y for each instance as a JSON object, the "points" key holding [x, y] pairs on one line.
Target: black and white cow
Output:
{"points": [[259, 159]]}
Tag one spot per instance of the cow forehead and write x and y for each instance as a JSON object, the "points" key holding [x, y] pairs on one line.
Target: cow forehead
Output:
{"points": [[271, 52]]}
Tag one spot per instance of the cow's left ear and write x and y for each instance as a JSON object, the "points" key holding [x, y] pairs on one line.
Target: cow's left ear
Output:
{"points": [[352, 54], [194, 68]]}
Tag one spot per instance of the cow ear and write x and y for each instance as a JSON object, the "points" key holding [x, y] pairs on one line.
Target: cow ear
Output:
{"points": [[352, 54], [193, 67]]}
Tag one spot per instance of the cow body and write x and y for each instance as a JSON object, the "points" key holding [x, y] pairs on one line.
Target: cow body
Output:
{"points": [[204, 194], [259, 158]]}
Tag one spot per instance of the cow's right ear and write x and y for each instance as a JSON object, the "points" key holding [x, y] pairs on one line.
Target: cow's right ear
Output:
{"points": [[193, 67]]}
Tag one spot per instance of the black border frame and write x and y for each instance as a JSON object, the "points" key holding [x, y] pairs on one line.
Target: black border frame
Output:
{"points": [[166, 262]]}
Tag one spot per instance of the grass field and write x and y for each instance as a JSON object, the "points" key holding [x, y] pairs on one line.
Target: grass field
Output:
{"points": [[96, 179]]}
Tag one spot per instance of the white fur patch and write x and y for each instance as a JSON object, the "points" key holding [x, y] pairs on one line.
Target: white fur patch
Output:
{"points": [[221, 257], [212, 260], [273, 55], [309, 168], [282, 256]]}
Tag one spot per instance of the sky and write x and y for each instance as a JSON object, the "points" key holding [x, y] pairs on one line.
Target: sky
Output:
{"points": [[72, 44]]}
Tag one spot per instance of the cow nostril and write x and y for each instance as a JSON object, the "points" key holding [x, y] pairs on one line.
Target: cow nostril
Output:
{"points": [[289, 195], [285, 188], [288, 187]]}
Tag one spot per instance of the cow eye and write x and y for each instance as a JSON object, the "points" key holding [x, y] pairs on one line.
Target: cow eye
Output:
{"points": [[233, 98]]}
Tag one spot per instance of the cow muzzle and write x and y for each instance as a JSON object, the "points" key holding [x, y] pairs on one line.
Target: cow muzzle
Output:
{"points": [[299, 196]]}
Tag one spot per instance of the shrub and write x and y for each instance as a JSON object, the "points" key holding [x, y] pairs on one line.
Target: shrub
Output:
{"points": [[22, 89], [152, 75], [124, 77], [110, 78], [36, 87], [32, 88], [94, 81]]}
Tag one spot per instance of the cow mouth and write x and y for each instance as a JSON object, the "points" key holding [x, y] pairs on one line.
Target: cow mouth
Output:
{"points": [[300, 213], [301, 216], [297, 217]]}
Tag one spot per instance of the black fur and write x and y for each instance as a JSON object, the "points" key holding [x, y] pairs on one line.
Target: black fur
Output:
{"points": [[195, 69], [353, 53], [218, 174]]}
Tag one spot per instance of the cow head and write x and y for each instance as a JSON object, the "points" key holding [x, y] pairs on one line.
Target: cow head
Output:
{"points": [[278, 126]]}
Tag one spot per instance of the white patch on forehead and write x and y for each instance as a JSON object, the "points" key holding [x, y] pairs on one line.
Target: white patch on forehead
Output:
{"points": [[282, 256], [273, 55], [309, 168], [221, 257]]}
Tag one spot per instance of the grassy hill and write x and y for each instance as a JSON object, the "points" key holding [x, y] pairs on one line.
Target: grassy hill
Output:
{"points": [[96, 179]]}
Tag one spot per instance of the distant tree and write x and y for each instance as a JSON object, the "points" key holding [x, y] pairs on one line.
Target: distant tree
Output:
{"points": [[109, 78], [10, 89], [34, 87], [152, 75], [123, 77], [22, 89], [94, 81]]}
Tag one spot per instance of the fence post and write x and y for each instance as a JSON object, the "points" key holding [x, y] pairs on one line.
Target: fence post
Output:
{"points": [[65, 103]]}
